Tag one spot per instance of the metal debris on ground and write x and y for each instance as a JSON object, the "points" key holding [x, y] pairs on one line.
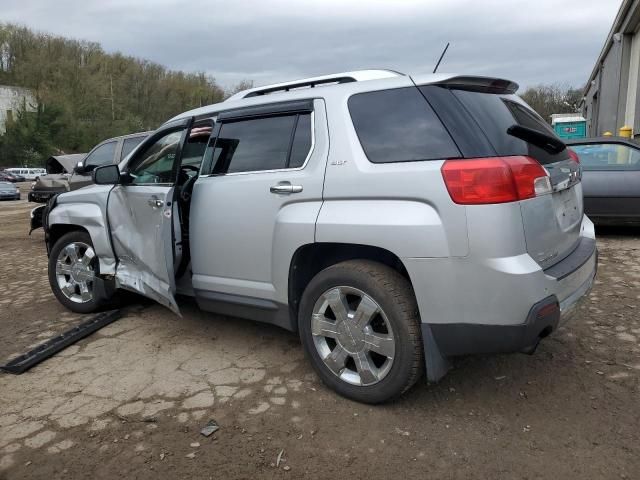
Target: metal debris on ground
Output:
{"points": [[210, 428], [279, 459]]}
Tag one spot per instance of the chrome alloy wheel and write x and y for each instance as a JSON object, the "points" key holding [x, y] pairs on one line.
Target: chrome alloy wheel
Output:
{"points": [[353, 336], [75, 271]]}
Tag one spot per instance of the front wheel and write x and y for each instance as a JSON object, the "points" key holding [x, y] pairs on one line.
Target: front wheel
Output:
{"points": [[359, 326], [73, 267]]}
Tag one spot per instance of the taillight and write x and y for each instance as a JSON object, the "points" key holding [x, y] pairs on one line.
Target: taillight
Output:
{"points": [[476, 181], [573, 155]]}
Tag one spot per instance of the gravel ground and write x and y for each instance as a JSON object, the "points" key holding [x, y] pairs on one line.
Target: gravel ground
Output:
{"points": [[129, 401]]}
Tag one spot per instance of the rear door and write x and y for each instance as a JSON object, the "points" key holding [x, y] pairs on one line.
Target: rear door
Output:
{"points": [[255, 202], [551, 222], [141, 213], [610, 179]]}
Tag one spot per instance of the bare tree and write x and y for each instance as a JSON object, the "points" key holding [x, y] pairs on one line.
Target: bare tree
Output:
{"points": [[549, 99]]}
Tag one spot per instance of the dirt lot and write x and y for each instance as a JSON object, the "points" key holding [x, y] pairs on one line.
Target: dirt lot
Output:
{"points": [[130, 400]]}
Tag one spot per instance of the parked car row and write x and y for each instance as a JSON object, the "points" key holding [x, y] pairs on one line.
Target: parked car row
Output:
{"points": [[6, 176]]}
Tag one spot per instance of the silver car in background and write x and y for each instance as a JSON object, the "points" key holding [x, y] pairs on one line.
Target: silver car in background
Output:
{"points": [[392, 221]]}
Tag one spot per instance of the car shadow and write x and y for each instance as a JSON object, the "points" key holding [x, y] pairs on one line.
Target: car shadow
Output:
{"points": [[617, 230]]}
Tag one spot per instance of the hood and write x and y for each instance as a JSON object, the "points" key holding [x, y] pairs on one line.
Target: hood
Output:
{"points": [[53, 180], [63, 163]]}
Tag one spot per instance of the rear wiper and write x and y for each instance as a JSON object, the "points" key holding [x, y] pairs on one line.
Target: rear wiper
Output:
{"points": [[535, 137]]}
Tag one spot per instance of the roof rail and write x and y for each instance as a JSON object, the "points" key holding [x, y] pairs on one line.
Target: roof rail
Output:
{"points": [[333, 79]]}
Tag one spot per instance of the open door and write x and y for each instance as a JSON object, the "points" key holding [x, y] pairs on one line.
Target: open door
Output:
{"points": [[141, 214]]}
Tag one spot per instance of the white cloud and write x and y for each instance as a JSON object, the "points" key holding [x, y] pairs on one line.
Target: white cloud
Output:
{"points": [[274, 40]]}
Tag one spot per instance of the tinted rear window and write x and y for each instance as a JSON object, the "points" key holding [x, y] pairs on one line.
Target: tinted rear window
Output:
{"points": [[129, 144], [492, 114], [399, 126]]}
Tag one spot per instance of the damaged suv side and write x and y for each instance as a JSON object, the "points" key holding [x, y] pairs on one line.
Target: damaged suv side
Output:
{"points": [[393, 222]]}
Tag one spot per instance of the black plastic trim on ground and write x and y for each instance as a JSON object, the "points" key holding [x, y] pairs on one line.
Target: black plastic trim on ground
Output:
{"points": [[49, 348]]}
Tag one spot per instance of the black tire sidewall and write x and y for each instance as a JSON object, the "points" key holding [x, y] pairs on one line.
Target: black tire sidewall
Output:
{"points": [[77, 236], [395, 382]]}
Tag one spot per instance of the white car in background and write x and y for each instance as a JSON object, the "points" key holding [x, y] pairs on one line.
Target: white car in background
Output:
{"points": [[28, 173]]}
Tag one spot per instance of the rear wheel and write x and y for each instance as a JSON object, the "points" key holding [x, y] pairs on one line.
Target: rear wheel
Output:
{"points": [[73, 266], [360, 327]]}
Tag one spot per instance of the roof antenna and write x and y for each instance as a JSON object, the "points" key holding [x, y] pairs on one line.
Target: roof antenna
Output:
{"points": [[441, 57]]}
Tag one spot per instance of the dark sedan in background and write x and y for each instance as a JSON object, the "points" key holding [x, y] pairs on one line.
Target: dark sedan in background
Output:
{"points": [[10, 177], [9, 191], [610, 179]]}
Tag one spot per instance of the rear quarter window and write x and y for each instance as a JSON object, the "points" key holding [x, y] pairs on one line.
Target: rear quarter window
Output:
{"points": [[129, 144], [492, 114], [399, 126]]}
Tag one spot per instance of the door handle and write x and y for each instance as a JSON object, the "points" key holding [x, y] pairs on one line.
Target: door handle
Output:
{"points": [[155, 202], [285, 188]]}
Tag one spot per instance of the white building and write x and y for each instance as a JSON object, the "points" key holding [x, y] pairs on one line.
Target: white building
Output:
{"points": [[13, 99]]}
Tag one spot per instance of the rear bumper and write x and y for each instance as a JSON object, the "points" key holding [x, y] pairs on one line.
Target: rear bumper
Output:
{"points": [[501, 305], [577, 274]]}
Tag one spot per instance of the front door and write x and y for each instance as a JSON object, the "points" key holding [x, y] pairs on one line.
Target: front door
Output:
{"points": [[141, 213], [255, 202]]}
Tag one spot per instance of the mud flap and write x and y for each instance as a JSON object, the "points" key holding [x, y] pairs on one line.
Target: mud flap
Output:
{"points": [[436, 364]]}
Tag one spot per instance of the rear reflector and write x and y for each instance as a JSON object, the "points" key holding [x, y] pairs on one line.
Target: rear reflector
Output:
{"points": [[574, 156], [477, 181]]}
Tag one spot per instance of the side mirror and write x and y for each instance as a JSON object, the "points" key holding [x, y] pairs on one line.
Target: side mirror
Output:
{"points": [[79, 168], [106, 175]]}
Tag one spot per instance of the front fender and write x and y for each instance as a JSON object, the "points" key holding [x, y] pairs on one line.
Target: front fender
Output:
{"points": [[91, 218]]}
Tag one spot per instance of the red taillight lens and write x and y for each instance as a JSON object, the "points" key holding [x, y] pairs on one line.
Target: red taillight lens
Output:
{"points": [[476, 181], [574, 156]]}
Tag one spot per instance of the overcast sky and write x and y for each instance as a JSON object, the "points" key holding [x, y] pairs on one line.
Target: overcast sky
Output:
{"points": [[528, 41]]}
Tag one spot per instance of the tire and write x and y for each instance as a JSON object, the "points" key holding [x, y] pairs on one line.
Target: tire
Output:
{"points": [[370, 375], [79, 301]]}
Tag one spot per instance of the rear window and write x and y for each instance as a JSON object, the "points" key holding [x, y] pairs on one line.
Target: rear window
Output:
{"points": [[399, 126], [492, 114], [129, 144]]}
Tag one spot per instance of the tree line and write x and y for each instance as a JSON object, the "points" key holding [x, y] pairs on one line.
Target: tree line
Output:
{"points": [[555, 98], [84, 94]]}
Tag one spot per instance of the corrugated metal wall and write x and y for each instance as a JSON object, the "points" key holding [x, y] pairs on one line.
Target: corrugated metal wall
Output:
{"points": [[612, 99]]}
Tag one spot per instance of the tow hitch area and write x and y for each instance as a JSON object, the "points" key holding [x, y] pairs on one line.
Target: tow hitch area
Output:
{"points": [[49, 348]]}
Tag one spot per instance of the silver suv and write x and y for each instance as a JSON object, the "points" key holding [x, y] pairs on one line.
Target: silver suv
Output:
{"points": [[392, 221]]}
